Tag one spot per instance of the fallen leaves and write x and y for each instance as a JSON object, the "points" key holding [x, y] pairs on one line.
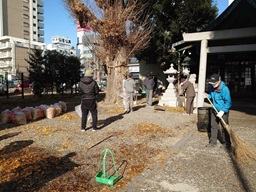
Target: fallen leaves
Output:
{"points": [[24, 167], [115, 111]]}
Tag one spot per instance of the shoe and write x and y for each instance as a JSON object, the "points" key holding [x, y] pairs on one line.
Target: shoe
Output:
{"points": [[211, 145], [126, 111], [82, 130], [185, 114], [95, 129]]}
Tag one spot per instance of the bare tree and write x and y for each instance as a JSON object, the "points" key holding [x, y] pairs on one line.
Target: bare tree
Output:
{"points": [[124, 27]]}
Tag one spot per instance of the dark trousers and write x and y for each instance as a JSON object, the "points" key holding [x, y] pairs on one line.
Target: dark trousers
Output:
{"points": [[217, 129], [86, 106]]}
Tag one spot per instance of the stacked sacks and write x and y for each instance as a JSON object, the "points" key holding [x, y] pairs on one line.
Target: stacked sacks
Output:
{"points": [[17, 116], [21, 116], [6, 116], [50, 112], [38, 112], [63, 106], [58, 109], [27, 114]]}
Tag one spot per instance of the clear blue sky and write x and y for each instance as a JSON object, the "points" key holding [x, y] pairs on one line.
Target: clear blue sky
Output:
{"points": [[58, 21]]}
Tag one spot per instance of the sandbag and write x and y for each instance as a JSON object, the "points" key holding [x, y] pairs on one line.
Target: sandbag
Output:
{"points": [[6, 116], [58, 109], [37, 113], [50, 112], [16, 109], [19, 118], [63, 106], [27, 114]]}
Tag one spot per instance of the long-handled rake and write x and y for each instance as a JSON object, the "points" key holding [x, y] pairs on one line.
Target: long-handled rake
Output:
{"points": [[242, 151]]}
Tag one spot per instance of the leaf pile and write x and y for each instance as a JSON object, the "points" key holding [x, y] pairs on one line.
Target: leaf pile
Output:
{"points": [[115, 111], [174, 109]]}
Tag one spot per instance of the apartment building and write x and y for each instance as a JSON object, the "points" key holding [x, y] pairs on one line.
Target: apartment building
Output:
{"points": [[21, 29], [86, 45], [62, 45]]}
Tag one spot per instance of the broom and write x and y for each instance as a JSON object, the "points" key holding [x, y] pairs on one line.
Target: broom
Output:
{"points": [[241, 149]]}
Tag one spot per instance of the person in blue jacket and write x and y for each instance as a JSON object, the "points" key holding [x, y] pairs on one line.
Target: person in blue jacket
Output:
{"points": [[219, 94]]}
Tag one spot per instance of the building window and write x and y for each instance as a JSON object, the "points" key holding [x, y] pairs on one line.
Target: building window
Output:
{"points": [[26, 32], [25, 24], [25, 8], [25, 16]]}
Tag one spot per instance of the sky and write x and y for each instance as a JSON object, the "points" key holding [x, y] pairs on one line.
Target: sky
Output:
{"points": [[58, 22]]}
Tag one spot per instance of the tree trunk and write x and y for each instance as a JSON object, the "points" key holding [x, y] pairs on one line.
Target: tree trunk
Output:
{"points": [[116, 74]]}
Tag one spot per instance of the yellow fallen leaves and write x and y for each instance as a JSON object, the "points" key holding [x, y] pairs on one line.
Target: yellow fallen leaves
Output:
{"points": [[115, 111], [174, 109], [147, 128], [69, 116]]}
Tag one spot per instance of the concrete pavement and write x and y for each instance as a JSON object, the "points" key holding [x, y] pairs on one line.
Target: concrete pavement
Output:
{"points": [[192, 167]]}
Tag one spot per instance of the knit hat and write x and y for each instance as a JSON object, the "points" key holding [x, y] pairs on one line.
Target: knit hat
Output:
{"points": [[88, 73]]}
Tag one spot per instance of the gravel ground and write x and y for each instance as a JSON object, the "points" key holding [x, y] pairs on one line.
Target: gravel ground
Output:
{"points": [[153, 150]]}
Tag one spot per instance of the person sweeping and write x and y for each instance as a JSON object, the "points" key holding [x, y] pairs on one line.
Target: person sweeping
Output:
{"points": [[219, 94]]}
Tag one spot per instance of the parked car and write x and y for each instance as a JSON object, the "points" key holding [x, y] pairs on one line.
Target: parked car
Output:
{"points": [[27, 85], [2, 88]]}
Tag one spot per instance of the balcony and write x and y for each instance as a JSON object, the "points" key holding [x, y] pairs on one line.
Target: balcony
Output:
{"points": [[5, 55], [40, 18], [41, 32], [40, 39], [41, 25], [6, 45], [40, 10], [40, 3], [6, 64]]}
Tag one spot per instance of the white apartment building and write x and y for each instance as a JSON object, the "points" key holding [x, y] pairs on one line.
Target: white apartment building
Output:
{"points": [[86, 43], [62, 45], [21, 29]]}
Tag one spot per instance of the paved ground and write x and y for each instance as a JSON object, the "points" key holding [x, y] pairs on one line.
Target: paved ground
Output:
{"points": [[195, 168]]}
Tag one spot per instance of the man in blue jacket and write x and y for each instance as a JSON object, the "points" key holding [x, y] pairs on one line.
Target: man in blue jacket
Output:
{"points": [[220, 95]]}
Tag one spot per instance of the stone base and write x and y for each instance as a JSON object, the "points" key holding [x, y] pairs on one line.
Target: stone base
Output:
{"points": [[169, 98]]}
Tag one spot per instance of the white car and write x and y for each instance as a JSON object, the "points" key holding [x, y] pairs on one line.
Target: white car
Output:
{"points": [[2, 89]]}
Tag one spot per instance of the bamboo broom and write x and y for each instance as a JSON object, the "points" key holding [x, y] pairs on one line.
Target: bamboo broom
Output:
{"points": [[241, 149]]}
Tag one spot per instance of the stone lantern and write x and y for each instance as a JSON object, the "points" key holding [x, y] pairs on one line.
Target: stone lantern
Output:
{"points": [[170, 96]]}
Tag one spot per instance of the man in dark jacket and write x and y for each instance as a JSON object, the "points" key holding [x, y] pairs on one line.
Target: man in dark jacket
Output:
{"points": [[89, 90]]}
